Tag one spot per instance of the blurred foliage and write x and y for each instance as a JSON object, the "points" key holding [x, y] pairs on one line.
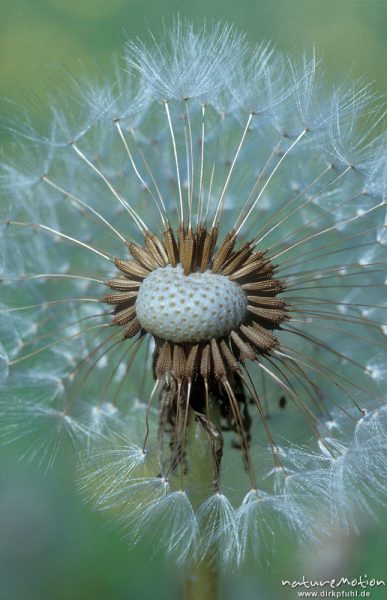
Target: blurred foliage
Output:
{"points": [[52, 547]]}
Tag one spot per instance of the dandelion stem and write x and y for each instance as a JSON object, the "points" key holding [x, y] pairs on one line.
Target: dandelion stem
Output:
{"points": [[202, 582], [202, 576]]}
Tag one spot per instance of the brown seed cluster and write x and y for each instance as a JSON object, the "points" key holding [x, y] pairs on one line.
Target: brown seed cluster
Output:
{"points": [[197, 251]]}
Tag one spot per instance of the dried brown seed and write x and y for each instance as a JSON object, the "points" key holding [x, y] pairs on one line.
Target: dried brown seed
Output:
{"points": [[124, 316], [131, 267], [132, 329]]}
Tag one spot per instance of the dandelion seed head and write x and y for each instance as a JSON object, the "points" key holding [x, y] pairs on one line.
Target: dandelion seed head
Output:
{"points": [[220, 534], [171, 525], [188, 62], [193, 294]]}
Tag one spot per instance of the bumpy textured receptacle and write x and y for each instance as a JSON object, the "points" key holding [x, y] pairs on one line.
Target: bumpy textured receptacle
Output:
{"points": [[189, 308]]}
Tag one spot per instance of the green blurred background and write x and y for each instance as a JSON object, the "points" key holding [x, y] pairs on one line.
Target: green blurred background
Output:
{"points": [[51, 546]]}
